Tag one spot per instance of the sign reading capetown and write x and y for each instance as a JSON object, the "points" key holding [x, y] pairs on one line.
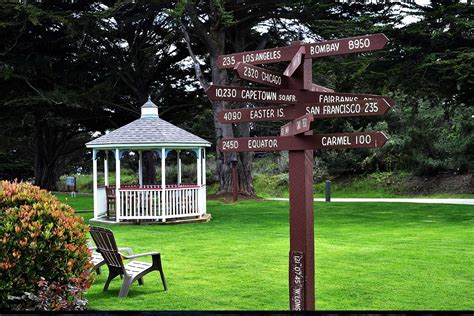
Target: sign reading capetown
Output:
{"points": [[301, 101]]}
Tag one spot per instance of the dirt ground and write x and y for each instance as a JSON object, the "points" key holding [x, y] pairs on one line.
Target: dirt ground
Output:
{"points": [[443, 183]]}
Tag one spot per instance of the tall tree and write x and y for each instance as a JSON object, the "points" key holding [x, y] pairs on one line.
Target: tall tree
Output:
{"points": [[235, 26], [143, 55], [46, 87]]}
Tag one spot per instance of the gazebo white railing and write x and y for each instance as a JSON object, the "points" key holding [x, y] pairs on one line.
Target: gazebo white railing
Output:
{"points": [[159, 202], [155, 203]]}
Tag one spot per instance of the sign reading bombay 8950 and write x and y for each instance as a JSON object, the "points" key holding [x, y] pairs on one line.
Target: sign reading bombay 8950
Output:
{"points": [[346, 46], [314, 50]]}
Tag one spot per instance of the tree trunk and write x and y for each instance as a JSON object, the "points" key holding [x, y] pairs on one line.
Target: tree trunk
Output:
{"points": [[46, 154], [214, 39], [149, 170]]}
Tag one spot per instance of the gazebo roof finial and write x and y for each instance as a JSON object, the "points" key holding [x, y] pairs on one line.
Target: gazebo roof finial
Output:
{"points": [[149, 109]]}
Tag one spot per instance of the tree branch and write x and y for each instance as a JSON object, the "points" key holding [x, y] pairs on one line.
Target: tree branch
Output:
{"points": [[40, 93], [197, 66], [201, 30]]}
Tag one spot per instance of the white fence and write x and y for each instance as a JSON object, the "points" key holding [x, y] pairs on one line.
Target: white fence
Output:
{"points": [[158, 204]]}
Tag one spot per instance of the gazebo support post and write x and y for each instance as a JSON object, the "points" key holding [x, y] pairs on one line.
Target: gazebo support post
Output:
{"points": [[163, 182], [106, 168], [140, 169], [179, 166], [94, 182], [117, 185], [198, 177], [203, 194]]}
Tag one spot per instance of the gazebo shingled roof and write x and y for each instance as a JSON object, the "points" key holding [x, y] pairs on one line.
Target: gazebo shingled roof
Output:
{"points": [[149, 129]]}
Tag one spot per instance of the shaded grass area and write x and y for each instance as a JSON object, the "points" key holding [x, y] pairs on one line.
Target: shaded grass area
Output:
{"points": [[368, 256]]}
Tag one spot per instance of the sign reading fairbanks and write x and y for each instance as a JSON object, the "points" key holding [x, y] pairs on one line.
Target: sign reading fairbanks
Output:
{"points": [[298, 100]]}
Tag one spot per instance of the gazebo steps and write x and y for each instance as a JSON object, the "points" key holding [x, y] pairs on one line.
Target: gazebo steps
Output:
{"points": [[184, 220]]}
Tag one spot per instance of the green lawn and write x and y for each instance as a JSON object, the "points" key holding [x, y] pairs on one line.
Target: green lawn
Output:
{"points": [[368, 256], [80, 202]]}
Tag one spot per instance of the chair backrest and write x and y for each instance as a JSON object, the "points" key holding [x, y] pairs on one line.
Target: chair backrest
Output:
{"points": [[110, 191], [106, 246]]}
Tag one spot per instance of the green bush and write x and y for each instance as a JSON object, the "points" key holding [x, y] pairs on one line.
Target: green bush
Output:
{"points": [[42, 240]]}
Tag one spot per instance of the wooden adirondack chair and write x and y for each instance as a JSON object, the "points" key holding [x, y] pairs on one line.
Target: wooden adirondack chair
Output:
{"points": [[135, 270], [97, 259]]}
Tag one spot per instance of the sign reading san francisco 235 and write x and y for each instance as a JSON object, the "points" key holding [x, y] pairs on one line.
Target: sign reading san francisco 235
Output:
{"points": [[321, 110]]}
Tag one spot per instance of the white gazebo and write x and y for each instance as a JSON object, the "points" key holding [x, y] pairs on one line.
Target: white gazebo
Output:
{"points": [[122, 203]]}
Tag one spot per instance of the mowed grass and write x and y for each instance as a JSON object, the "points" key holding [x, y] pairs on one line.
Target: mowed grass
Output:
{"points": [[377, 256], [80, 202]]}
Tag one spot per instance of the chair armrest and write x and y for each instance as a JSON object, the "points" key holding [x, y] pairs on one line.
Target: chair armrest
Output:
{"points": [[140, 255], [127, 250]]}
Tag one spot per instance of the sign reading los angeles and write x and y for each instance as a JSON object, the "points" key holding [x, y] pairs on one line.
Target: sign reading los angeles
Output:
{"points": [[343, 46], [295, 98]]}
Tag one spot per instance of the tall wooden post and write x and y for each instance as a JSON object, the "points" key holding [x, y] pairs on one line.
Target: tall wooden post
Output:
{"points": [[301, 269]]}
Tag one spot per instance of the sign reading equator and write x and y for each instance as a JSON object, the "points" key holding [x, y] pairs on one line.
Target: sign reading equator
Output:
{"points": [[304, 142], [283, 113], [341, 46], [284, 96]]}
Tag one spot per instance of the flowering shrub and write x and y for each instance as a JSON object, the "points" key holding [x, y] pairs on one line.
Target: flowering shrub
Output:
{"points": [[50, 297], [41, 240]]}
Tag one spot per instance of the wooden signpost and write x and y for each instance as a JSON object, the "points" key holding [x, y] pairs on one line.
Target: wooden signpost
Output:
{"points": [[301, 101]]}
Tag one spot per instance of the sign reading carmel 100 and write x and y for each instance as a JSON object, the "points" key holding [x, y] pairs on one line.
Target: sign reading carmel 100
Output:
{"points": [[299, 101]]}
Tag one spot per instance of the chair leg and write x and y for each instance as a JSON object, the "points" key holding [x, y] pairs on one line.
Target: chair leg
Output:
{"points": [[158, 266], [109, 278], [127, 282], [98, 271], [163, 279], [140, 281]]}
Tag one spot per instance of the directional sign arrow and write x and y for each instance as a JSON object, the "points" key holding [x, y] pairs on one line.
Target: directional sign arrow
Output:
{"points": [[341, 46], [285, 113], [346, 46], [267, 77], [261, 75], [258, 57], [297, 126], [295, 62], [316, 87], [304, 142], [282, 96]]}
